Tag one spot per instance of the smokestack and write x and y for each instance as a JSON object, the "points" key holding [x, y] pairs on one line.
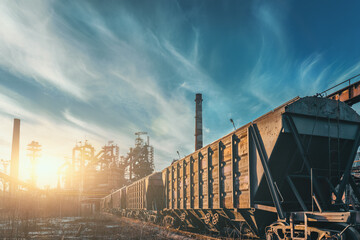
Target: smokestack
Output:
{"points": [[14, 164], [198, 122]]}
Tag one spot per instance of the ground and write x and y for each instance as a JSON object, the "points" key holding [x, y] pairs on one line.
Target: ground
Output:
{"points": [[94, 227]]}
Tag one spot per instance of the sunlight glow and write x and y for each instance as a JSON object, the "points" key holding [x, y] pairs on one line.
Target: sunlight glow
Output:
{"points": [[47, 169]]}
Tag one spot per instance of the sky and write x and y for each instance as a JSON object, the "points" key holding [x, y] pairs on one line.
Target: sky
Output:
{"points": [[103, 70]]}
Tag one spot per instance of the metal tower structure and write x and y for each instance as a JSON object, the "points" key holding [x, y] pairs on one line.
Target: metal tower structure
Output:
{"points": [[82, 155], [34, 149], [139, 161]]}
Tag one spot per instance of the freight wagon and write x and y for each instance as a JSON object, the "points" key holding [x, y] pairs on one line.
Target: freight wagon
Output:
{"points": [[106, 203], [282, 176], [279, 171], [144, 198], [118, 199]]}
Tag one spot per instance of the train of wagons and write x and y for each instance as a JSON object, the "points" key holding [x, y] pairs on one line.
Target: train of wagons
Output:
{"points": [[285, 175]]}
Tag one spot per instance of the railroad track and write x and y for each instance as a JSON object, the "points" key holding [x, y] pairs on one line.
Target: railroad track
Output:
{"points": [[188, 234]]}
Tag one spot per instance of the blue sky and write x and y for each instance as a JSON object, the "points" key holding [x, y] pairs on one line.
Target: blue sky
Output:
{"points": [[102, 70]]}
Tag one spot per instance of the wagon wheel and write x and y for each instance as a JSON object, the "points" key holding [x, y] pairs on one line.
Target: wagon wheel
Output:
{"points": [[170, 221], [231, 232], [207, 218], [348, 232], [352, 233], [157, 219], [167, 221], [270, 235], [273, 235], [183, 217], [215, 219]]}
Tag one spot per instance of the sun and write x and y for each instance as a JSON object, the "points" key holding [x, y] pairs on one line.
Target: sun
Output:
{"points": [[47, 171]]}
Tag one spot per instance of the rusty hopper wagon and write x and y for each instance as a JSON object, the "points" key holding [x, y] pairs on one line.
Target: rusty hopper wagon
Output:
{"points": [[144, 198], [281, 176], [114, 201], [118, 199], [106, 202]]}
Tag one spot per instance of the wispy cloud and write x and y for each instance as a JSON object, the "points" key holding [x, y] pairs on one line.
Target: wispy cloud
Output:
{"points": [[101, 71], [308, 65], [271, 65], [77, 70], [29, 46], [278, 75]]}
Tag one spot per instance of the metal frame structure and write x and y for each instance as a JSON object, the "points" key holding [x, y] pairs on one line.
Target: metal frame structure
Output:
{"points": [[254, 132]]}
